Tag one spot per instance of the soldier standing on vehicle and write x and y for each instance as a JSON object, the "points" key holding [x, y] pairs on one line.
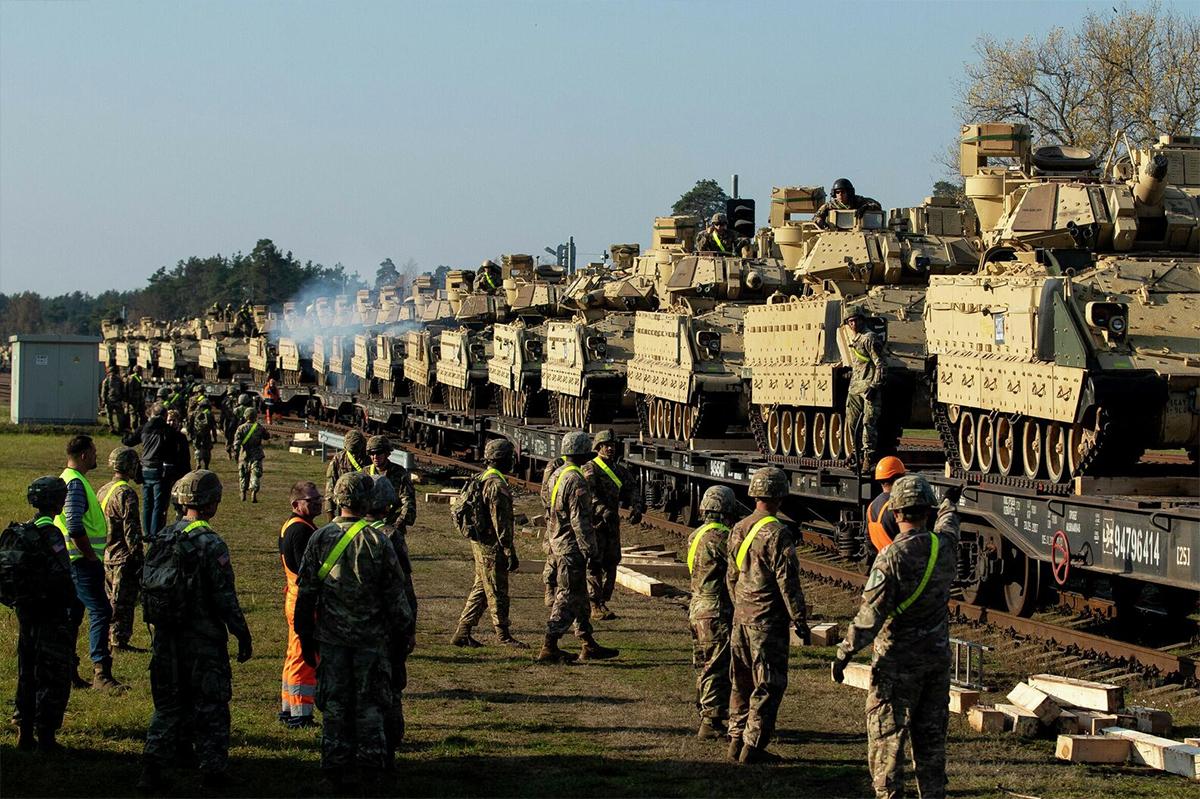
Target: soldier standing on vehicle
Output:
{"points": [[190, 600], [248, 444], [611, 485], [403, 512], [718, 238], [203, 431], [489, 526], [844, 199], [711, 610], [573, 549], [905, 611], [764, 582], [123, 551], [299, 686], [352, 458], [864, 401], [350, 608], [44, 597]]}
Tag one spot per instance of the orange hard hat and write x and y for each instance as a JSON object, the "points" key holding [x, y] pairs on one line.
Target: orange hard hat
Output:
{"points": [[889, 468]]}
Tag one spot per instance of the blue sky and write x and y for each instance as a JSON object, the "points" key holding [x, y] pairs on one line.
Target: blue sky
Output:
{"points": [[136, 134]]}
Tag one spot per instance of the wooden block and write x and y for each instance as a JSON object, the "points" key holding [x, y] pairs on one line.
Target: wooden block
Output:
{"points": [[1035, 701], [1067, 723], [1150, 719], [300, 450], [1192, 741], [1092, 722], [439, 498], [825, 634], [1020, 720], [962, 699], [858, 675], [640, 583], [1163, 754], [1092, 749], [303, 437], [984, 718], [1069, 691], [538, 520]]}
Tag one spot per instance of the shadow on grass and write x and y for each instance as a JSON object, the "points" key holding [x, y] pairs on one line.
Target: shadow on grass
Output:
{"points": [[498, 698]]}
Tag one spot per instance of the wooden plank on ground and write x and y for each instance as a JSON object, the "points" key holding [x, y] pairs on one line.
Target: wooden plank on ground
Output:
{"points": [[640, 583], [962, 699], [1067, 723], [1163, 754], [1069, 691], [825, 634], [643, 548], [438, 498], [984, 718], [1151, 720], [1020, 720], [1092, 749], [1092, 722], [1035, 701]]}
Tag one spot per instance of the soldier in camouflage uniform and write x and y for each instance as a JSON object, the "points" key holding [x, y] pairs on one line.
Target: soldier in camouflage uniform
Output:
{"points": [[494, 551], [45, 631], [135, 397], [864, 399], [112, 392], [352, 458], [844, 199], [351, 607], [711, 609], [548, 577], [612, 486], [190, 678], [718, 237], [202, 429], [247, 443], [573, 549], [905, 611], [764, 582], [403, 512], [383, 498], [123, 552]]}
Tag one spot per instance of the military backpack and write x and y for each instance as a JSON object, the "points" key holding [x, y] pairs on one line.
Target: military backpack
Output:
{"points": [[24, 564], [469, 510], [168, 575]]}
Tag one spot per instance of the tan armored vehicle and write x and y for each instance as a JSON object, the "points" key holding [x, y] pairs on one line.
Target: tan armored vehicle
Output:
{"points": [[387, 369], [295, 361], [362, 362], [261, 357], [1077, 346], [797, 355], [421, 351], [125, 354]]}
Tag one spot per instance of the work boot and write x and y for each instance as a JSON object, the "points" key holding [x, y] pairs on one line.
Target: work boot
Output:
{"points": [[735, 749], [77, 680], [503, 636], [46, 743], [593, 651], [103, 679], [151, 780], [552, 654], [606, 613], [710, 729], [462, 637], [25, 741], [755, 754]]}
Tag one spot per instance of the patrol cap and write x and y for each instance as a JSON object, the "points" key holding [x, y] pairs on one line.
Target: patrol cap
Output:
{"points": [[718, 499], [383, 494], [46, 492], [197, 488], [498, 449], [354, 440], [379, 444], [768, 482], [604, 437], [124, 460], [353, 490], [576, 443], [912, 491]]}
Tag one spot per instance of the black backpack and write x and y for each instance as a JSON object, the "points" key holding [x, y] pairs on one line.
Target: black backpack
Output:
{"points": [[167, 576], [24, 564], [470, 511]]}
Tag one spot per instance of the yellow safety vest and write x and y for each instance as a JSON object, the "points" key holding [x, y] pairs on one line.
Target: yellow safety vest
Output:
{"points": [[492, 471], [336, 553], [111, 491], [249, 433], [745, 547], [93, 519], [691, 560], [570, 467], [604, 468]]}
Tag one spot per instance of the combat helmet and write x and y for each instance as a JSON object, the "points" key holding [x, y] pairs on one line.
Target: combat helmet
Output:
{"points": [[607, 436], [718, 499], [842, 183], [383, 494], [46, 492], [354, 440], [163, 393], [245, 400], [378, 444], [197, 488], [718, 218], [124, 460], [576, 443], [768, 482], [498, 449], [912, 491], [353, 491]]}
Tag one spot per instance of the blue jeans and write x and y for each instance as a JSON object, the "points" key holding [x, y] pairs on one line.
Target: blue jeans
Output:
{"points": [[89, 587], [154, 500]]}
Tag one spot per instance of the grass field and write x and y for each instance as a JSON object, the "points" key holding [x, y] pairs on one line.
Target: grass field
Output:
{"points": [[489, 722]]}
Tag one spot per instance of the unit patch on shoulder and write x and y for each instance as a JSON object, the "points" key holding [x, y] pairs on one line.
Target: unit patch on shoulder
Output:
{"points": [[874, 580]]}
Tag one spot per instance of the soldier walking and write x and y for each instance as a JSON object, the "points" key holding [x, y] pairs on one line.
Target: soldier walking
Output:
{"points": [[191, 602], [202, 428], [248, 445], [764, 582], [123, 550], [352, 458], [612, 486], [905, 611], [864, 399], [711, 610], [492, 547], [44, 601], [403, 512], [350, 607], [299, 687], [572, 548]]}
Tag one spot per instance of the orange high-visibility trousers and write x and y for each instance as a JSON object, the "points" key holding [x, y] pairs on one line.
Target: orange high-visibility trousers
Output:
{"points": [[299, 689]]}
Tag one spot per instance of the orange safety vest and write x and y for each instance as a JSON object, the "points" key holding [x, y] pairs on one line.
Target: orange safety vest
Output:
{"points": [[299, 679], [875, 529]]}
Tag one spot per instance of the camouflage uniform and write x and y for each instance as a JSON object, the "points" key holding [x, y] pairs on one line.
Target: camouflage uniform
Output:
{"points": [[404, 513], [864, 401], [190, 678], [135, 398], [549, 580], [572, 545], [399, 649], [708, 240], [345, 463], [112, 391], [858, 203], [767, 602], [607, 497], [910, 672], [709, 613], [491, 550], [247, 442], [202, 429], [122, 555], [354, 614]]}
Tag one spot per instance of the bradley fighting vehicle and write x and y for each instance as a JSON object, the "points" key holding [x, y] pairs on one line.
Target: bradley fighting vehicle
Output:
{"points": [[112, 331], [179, 352], [422, 347], [393, 317], [465, 348], [223, 354], [1077, 346], [797, 352]]}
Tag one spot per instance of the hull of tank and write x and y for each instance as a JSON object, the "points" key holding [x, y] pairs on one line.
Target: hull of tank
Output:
{"points": [[387, 369], [515, 369], [585, 367], [462, 369], [420, 364]]}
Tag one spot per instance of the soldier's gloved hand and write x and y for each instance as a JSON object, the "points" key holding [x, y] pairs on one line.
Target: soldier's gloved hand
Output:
{"points": [[514, 562], [954, 494], [308, 650], [245, 648], [803, 633], [837, 669]]}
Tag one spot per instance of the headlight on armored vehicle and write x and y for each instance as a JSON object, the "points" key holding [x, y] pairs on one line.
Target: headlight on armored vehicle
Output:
{"points": [[597, 346], [709, 343], [1110, 318]]}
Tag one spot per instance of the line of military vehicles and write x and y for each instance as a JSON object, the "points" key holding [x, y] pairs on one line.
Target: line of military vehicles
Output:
{"points": [[1050, 331]]}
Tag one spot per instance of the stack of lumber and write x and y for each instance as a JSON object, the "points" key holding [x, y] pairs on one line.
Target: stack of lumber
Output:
{"points": [[647, 555], [962, 700], [442, 497], [305, 444]]}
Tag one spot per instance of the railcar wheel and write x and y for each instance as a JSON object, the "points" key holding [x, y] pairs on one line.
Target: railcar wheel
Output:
{"points": [[820, 434], [1006, 445], [800, 436], [837, 435], [677, 420], [1031, 448], [1056, 451], [773, 431], [985, 443], [689, 422], [787, 433], [1022, 581], [966, 440]]}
